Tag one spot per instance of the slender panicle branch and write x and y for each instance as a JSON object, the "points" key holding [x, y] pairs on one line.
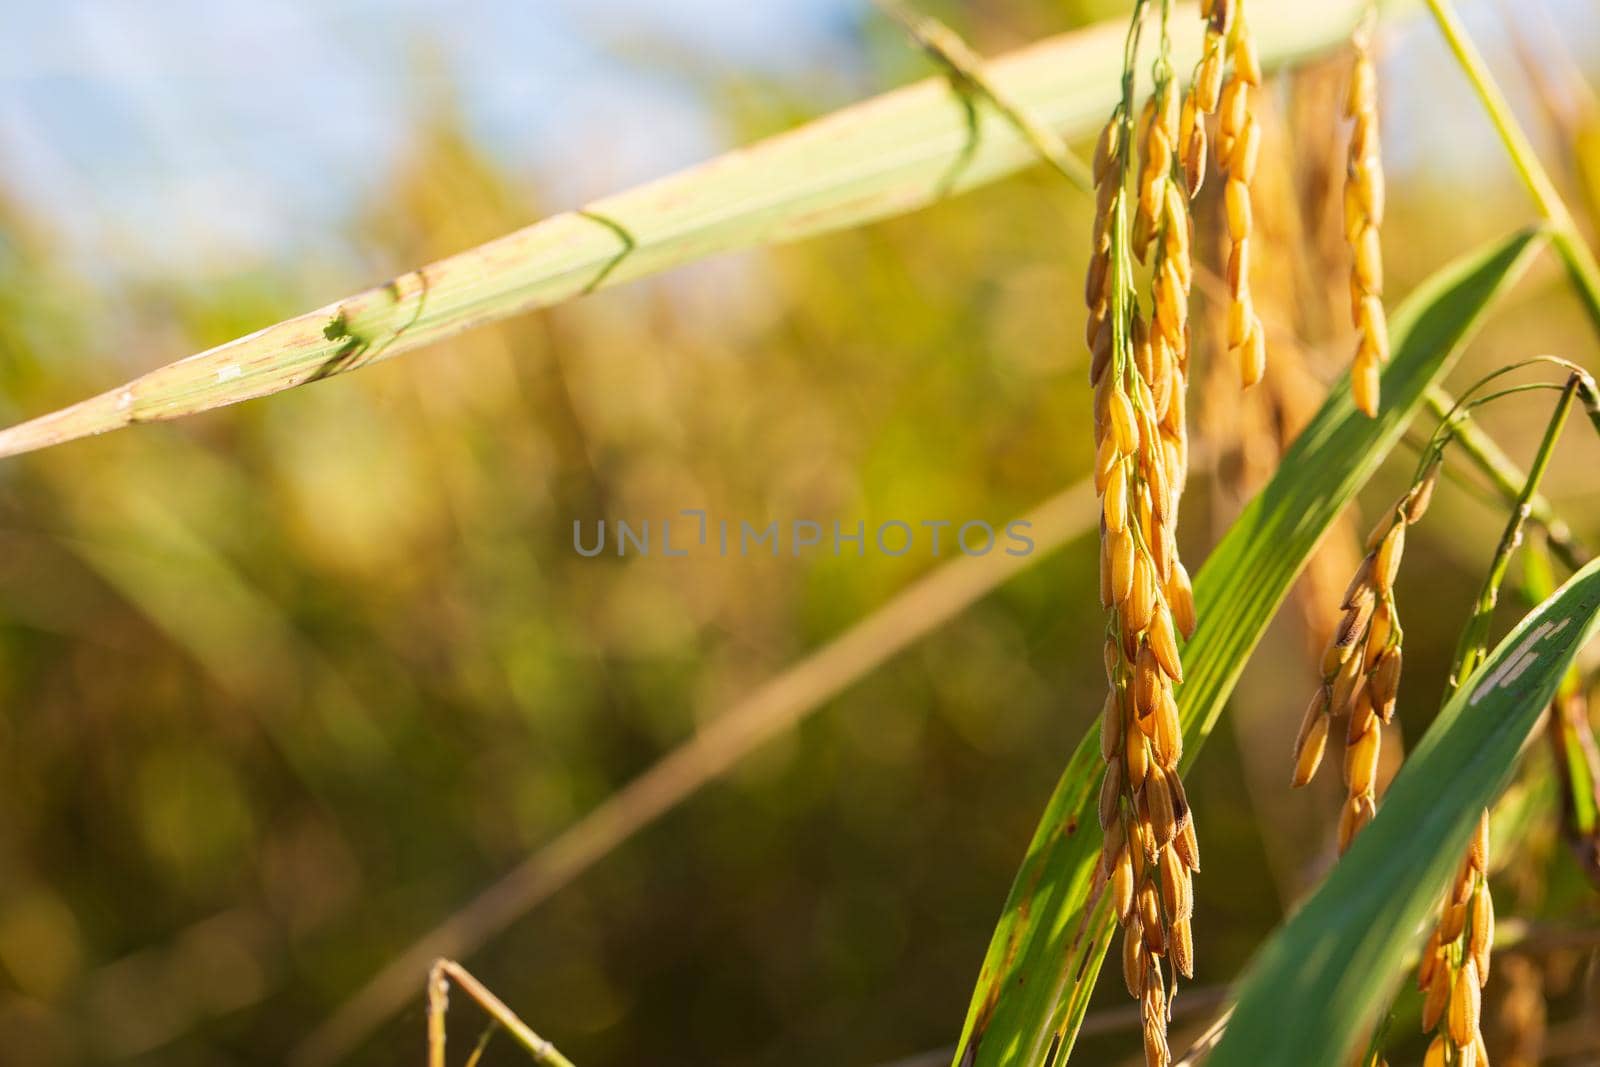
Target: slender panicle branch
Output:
{"points": [[1507, 478]]}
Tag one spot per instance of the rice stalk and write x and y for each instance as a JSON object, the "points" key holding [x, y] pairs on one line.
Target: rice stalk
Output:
{"points": [[1472, 647], [1565, 237]]}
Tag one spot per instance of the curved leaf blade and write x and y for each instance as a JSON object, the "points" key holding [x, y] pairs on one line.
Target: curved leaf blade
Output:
{"points": [[1052, 935], [885, 156], [1322, 980]]}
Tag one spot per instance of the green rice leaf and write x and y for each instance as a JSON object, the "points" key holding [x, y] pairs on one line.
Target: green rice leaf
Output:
{"points": [[882, 157], [1052, 936], [1321, 981]]}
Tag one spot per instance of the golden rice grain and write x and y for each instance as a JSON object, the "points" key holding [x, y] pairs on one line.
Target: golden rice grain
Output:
{"points": [[1157, 797], [1358, 811], [1187, 846], [1155, 933], [1110, 727], [1361, 759], [1205, 94], [1438, 996], [1465, 1004], [1122, 885], [1110, 795], [1168, 736], [1180, 598], [1428, 962], [1133, 954], [1156, 1050], [1181, 947], [1481, 937], [1452, 921], [1313, 741], [1478, 849]]}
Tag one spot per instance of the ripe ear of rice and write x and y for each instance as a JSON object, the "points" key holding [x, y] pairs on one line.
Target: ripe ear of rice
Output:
{"points": [[1363, 207], [1138, 367]]}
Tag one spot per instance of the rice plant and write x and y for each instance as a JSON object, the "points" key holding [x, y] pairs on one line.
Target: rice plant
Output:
{"points": [[1185, 242]]}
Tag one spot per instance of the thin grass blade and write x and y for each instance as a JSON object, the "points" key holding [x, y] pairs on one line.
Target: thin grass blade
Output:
{"points": [[1052, 935]]}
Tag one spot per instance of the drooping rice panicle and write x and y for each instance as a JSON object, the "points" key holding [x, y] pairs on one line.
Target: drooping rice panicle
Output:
{"points": [[1361, 666], [1138, 369], [1363, 215]]}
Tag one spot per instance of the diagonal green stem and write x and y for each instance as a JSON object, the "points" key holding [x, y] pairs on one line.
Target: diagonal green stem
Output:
{"points": [[1564, 236], [1472, 648]]}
